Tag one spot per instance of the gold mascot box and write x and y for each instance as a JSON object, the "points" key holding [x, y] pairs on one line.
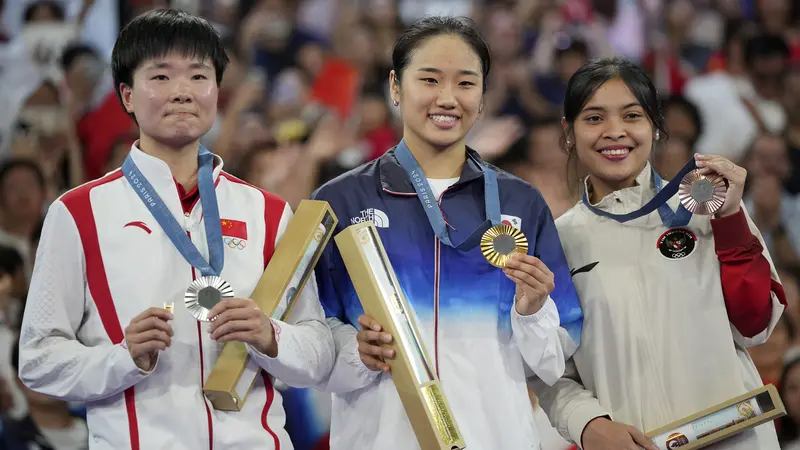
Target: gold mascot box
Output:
{"points": [[292, 264], [721, 421], [382, 298]]}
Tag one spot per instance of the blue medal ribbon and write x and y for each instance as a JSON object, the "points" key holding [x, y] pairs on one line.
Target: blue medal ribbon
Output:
{"points": [[175, 232], [431, 206], [670, 218]]}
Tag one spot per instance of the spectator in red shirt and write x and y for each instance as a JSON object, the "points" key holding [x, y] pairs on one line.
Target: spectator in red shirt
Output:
{"points": [[94, 105]]}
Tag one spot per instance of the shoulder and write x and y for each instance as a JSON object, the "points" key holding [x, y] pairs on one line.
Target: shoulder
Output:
{"points": [[575, 219], [78, 200]]}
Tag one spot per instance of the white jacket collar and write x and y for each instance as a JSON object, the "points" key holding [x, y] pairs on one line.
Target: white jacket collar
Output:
{"points": [[160, 177], [629, 199]]}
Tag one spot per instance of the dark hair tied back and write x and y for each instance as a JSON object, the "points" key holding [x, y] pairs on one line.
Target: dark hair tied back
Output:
{"points": [[418, 33], [586, 80]]}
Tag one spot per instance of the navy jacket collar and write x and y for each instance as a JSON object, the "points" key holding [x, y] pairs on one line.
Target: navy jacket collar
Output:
{"points": [[394, 179]]}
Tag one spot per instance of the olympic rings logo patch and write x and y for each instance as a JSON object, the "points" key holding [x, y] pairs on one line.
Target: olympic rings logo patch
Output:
{"points": [[235, 242]]}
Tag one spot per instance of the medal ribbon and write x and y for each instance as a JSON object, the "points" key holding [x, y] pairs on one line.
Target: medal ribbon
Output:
{"points": [[430, 204], [670, 218], [175, 232]]}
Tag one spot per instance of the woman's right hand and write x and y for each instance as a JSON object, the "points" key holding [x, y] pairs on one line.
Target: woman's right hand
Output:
{"points": [[603, 434], [370, 338]]}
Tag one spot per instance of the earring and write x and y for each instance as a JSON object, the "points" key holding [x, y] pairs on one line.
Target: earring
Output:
{"points": [[480, 109], [658, 135], [396, 103], [567, 142]]}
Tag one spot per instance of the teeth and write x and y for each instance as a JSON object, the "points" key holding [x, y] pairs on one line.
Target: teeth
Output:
{"points": [[443, 119], [616, 152]]}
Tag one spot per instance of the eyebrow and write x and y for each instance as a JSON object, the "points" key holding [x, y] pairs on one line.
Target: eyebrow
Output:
{"points": [[603, 108], [166, 65], [437, 71]]}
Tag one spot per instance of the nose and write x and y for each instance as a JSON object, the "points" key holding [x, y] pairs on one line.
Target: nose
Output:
{"points": [[446, 99], [615, 129], [182, 93]]}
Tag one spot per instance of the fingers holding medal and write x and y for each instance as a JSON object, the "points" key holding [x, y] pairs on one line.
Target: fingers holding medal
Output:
{"points": [[721, 171], [534, 282]]}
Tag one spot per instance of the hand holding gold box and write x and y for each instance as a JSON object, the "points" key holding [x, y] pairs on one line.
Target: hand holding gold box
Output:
{"points": [[721, 421], [382, 299], [293, 262]]}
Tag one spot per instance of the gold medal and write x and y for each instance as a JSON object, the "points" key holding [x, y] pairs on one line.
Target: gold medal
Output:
{"points": [[500, 242], [702, 194]]}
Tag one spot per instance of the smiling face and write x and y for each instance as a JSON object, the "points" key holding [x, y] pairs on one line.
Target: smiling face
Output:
{"points": [[440, 92], [174, 99], [613, 136]]}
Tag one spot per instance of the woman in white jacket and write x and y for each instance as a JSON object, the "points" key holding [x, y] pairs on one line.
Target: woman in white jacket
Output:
{"points": [[671, 300]]}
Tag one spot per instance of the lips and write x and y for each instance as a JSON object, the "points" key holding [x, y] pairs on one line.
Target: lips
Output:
{"points": [[444, 121], [615, 152]]}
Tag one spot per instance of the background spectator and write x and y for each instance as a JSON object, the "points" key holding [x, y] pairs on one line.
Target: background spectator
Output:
{"points": [[306, 98]]}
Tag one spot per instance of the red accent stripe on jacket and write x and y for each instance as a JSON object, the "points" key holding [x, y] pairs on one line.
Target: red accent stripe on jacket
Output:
{"points": [[79, 204], [745, 274]]}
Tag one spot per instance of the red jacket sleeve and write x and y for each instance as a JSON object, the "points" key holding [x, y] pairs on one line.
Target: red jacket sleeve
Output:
{"points": [[746, 275]]}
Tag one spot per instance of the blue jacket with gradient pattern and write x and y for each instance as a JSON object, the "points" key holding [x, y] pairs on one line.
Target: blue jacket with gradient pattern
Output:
{"points": [[481, 349]]}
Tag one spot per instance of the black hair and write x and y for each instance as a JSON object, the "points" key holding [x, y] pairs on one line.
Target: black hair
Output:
{"points": [[11, 164], [418, 33], [10, 260], [74, 51], [764, 46], [54, 7], [787, 428], [688, 107], [586, 80], [159, 32], [36, 235]]}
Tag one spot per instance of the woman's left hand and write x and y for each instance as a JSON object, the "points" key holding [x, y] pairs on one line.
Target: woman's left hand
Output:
{"points": [[736, 175]]}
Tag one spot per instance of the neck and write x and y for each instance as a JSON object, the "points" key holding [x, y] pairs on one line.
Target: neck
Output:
{"points": [[445, 162], [51, 416], [182, 161], [601, 188]]}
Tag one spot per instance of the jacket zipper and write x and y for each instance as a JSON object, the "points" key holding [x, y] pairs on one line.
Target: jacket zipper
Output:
{"points": [[202, 364], [436, 279]]}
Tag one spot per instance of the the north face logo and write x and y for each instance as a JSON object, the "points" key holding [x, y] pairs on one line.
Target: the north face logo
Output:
{"points": [[378, 218]]}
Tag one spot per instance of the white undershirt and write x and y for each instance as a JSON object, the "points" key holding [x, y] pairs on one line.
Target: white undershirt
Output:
{"points": [[439, 185]]}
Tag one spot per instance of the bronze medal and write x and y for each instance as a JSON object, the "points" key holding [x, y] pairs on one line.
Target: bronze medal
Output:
{"points": [[702, 194]]}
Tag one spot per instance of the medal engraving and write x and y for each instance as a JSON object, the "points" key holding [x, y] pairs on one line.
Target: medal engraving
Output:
{"points": [[203, 294], [500, 242], [702, 194]]}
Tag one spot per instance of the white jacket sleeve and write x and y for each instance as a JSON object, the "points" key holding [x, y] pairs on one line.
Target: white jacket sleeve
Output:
{"points": [[64, 351], [537, 337], [567, 403], [349, 372], [305, 346]]}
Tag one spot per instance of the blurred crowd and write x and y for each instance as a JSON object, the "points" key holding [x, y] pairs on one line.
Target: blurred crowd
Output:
{"points": [[306, 98]]}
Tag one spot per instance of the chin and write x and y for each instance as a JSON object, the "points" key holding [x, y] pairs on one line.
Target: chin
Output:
{"points": [[443, 138], [618, 173]]}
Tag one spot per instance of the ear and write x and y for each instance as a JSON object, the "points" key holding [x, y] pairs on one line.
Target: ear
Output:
{"points": [[394, 87], [564, 124], [125, 93]]}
